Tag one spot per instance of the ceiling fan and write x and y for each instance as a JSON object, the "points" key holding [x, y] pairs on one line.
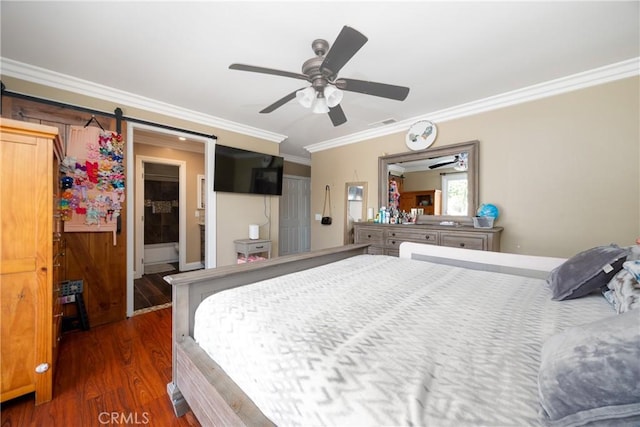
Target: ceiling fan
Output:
{"points": [[459, 162], [325, 93]]}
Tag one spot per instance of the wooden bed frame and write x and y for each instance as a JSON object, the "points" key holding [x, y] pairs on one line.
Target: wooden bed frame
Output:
{"points": [[200, 384]]}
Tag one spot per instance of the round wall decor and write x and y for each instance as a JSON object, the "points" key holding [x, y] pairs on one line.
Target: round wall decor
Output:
{"points": [[421, 135]]}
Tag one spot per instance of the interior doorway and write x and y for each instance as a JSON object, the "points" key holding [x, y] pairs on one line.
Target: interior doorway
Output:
{"points": [[160, 237], [169, 147], [160, 228], [161, 218], [150, 252]]}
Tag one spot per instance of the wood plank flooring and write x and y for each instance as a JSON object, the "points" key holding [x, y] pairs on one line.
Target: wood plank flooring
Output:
{"points": [[115, 374], [151, 290]]}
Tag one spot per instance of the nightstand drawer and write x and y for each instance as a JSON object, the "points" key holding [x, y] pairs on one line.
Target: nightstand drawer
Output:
{"points": [[464, 241], [257, 247]]}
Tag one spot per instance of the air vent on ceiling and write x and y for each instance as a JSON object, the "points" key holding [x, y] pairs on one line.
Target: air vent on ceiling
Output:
{"points": [[384, 122]]}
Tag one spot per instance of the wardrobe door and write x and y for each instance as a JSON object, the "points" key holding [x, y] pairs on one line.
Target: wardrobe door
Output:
{"points": [[26, 259]]}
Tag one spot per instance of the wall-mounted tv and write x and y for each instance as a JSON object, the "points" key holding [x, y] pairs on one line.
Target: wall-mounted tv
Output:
{"points": [[248, 172]]}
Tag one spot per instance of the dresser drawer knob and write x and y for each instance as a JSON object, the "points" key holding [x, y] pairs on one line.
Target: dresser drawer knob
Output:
{"points": [[427, 237], [393, 234], [393, 242], [462, 245], [368, 236]]}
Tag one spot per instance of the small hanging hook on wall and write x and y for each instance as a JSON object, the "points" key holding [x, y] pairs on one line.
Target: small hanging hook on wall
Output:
{"points": [[93, 119]]}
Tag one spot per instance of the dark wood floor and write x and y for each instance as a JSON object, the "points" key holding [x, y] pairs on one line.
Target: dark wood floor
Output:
{"points": [[121, 368], [151, 290]]}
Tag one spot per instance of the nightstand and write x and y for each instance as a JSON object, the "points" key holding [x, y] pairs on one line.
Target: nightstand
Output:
{"points": [[247, 247]]}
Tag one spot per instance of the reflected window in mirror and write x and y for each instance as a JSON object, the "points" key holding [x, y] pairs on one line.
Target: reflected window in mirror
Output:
{"points": [[455, 190]]}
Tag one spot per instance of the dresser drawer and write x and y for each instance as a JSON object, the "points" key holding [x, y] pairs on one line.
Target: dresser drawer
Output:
{"points": [[412, 235], [374, 237], [464, 241]]}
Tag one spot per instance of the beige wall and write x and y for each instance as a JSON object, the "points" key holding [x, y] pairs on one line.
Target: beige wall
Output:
{"points": [[234, 212], [425, 180], [296, 169], [564, 170]]}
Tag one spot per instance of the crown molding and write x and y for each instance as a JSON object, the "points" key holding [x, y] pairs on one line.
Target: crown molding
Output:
{"points": [[30, 73], [617, 71], [68, 83]]}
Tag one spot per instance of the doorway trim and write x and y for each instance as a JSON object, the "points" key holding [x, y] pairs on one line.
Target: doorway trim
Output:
{"points": [[210, 202]]}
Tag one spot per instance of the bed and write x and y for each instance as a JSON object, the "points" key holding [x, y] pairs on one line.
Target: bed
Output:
{"points": [[439, 336]]}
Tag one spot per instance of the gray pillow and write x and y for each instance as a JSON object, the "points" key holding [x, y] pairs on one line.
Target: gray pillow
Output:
{"points": [[586, 272], [633, 252], [591, 372]]}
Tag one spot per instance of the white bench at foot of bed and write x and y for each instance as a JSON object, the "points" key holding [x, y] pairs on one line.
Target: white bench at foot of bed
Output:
{"points": [[500, 262]]}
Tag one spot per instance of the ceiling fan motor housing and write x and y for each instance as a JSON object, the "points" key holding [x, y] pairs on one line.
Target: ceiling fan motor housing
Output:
{"points": [[311, 67]]}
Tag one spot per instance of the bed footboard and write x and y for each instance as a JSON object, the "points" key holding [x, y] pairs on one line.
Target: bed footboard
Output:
{"points": [[213, 397]]}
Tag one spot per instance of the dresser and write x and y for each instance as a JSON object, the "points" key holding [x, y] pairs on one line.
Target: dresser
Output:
{"points": [[30, 251], [385, 239]]}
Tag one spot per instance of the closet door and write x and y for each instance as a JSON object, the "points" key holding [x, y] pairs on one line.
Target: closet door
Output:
{"points": [[295, 216]]}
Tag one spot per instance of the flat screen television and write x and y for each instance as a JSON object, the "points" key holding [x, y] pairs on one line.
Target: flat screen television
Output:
{"points": [[248, 172]]}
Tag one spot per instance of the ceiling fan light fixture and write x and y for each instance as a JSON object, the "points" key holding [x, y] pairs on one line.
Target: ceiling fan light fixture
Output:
{"points": [[320, 105], [306, 96], [333, 95]]}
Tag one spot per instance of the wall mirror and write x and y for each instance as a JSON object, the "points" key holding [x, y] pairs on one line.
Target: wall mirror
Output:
{"points": [[355, 207], [441, 183]]}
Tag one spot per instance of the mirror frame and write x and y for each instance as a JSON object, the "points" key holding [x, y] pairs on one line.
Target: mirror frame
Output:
{"points": [[472, 147], [365, 197]]}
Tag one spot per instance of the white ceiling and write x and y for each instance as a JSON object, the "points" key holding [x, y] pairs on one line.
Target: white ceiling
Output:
{"points": [[449, 53]]}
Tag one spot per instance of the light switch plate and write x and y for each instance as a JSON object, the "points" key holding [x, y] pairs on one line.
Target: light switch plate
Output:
{"points": [[318, 217]]}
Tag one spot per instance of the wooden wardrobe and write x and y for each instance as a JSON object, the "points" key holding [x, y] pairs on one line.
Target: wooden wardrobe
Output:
{"points": [[30, 241]]}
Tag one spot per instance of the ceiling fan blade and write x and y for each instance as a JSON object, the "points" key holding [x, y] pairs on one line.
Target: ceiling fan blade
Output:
{"points": [[337, 115], [348, 42], [439, 165], [399, 93], [280, 102], [263, 70]]}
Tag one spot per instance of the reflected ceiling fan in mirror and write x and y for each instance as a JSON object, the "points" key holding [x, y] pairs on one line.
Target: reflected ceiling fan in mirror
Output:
{"points": [[459, 162], [325, 93]]}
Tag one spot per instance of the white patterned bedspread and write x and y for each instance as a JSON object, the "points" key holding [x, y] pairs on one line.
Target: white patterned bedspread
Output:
{"points": [[376, 340]]}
